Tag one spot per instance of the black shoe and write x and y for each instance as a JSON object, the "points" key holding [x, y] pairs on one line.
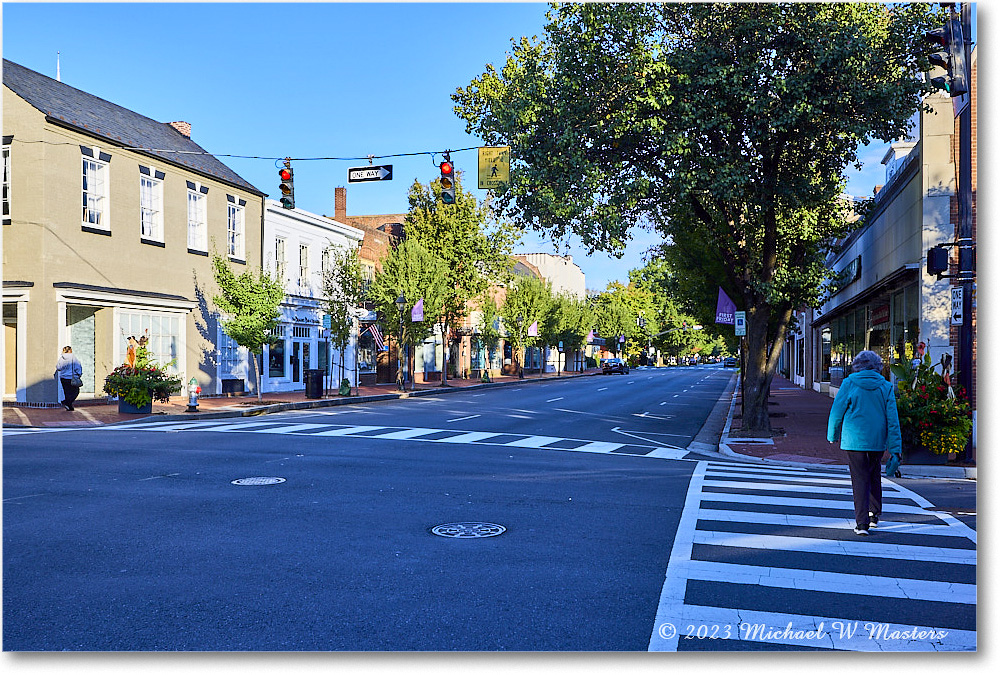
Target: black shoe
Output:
{"points": [[65, 405], [861, 530], [71, 408], [872, 520]]}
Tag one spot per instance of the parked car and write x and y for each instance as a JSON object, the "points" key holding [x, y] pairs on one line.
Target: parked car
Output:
{"points": [[614, 366], [730, 362]]}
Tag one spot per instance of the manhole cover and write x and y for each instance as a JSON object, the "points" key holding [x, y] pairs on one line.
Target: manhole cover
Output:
{"points": [[259, 480], [468, 530]]}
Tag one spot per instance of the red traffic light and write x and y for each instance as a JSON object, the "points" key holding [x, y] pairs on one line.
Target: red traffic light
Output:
{"points": [[285, 174], [447, 169]]}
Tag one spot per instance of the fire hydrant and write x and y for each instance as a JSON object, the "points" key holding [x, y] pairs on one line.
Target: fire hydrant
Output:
{"points": [[193, 391]]}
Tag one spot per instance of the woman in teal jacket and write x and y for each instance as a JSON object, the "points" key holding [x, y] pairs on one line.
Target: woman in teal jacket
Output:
{"points": [[865, 421]]}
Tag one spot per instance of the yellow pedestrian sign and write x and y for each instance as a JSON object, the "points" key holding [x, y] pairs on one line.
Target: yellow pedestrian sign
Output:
{"points": [[494, 167]]}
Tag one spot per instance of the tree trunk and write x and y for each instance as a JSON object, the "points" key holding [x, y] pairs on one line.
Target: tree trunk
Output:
{"points": [[256, 372], [445, 349], [762, 354]]}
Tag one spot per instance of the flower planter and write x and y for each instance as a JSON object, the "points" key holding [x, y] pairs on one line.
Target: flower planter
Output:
{"points": [[129, 409]]}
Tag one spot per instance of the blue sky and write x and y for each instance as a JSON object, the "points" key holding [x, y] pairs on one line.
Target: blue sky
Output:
{"points": [[306, 80]]}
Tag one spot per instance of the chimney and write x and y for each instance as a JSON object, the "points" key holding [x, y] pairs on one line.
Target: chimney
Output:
{"points": [[183, 127], [340, 204]]}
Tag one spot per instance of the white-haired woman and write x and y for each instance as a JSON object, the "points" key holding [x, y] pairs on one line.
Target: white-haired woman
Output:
{"points": [[69, 370], [865, 421]]}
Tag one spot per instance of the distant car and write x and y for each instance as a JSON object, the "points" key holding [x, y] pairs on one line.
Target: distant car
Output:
{"points": [[614, 366], [730, 362]]}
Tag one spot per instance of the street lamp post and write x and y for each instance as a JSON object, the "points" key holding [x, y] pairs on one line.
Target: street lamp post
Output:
{"points": [[520, 339], [401, 306]]}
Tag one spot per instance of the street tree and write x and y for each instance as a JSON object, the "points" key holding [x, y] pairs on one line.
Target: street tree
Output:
{"points": [[249, 308], [473, 245], [488, 329], [343, 293], [415, 273], [526, 302], [734, 120], [567, 323]]}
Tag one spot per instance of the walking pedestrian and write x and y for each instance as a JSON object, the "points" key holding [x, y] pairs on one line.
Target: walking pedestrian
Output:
{"points": [[864, 419], [69, 371]]}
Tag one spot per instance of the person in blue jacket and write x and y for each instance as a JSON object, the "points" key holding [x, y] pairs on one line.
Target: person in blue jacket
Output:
{"points": [[865, 421]]}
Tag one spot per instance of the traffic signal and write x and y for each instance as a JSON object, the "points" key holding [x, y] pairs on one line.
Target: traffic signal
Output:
{"points": [[937, 260], [951, 57], [447, 180], [287, 188]]}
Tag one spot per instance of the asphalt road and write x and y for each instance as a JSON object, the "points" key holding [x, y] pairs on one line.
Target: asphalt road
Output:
{"points": [[134, 540], [616, 538]]}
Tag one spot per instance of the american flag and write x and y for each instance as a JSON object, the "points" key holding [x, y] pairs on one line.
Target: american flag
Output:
{"points": [[377, 336]]}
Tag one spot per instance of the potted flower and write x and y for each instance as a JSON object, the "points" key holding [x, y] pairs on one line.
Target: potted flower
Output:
{"points": [[140, 382], [932, 415]]}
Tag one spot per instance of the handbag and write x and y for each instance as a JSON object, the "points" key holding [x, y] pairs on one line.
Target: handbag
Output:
{"points": [[76, 381], [892, 466]]}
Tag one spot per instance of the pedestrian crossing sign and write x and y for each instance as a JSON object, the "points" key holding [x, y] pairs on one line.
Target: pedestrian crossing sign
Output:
{"points": [[494, 167]]}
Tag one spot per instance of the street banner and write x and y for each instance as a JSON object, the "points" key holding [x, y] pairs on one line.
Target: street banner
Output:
{"points": [[417, 313], [533, 330], [590, 336], [725, 309]]}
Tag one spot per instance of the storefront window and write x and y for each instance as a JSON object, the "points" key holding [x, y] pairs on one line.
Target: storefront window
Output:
{"points": [[824, 360], [276, 359], [366, 353], [898, 328], [912, 314]]}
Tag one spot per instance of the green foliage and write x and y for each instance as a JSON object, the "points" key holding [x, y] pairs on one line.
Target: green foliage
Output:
{"points": [[143, 383], [527, 301], [930, 413], [415, 272], [474, 248], [249, 306], [728, 126]]}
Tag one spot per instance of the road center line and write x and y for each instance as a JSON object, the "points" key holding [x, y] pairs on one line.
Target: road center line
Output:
{"points": [[467, 417]]}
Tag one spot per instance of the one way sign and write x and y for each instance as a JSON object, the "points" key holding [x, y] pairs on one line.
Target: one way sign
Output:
{"points": [[364, 174], [957, 317]]}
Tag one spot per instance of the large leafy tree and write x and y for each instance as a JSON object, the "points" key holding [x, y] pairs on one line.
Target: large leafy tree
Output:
{"points": [[526, 302], [474, 247], [735, 121], [415, 273], [249, 306]]}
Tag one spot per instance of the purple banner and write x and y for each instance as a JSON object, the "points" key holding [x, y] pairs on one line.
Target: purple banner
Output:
{"points": [[417, 313], [725, 309]]}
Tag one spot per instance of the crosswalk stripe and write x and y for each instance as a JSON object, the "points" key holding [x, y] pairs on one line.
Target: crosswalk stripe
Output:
{"points": [[831, 582], [842, 504], [599, 446], [782, 487], [836, 546], [468, 437], [346, 431], [533, 441], [406, 434], [795, 520], [795, 479]]}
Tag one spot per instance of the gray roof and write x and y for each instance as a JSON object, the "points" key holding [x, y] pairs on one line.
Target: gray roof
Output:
{"points": [[68, 106]]}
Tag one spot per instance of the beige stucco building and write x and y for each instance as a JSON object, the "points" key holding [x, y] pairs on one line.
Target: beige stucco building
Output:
{"points": [[103, 239]]}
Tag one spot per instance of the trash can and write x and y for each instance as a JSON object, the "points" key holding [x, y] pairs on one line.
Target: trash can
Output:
{"points": [[314, 382]]}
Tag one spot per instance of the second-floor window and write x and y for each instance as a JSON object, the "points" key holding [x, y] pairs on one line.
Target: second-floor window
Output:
{"points": [[279, 259], [235, 230], [6, 183], [197, 221], [95, 193], [151, 208], [303, 265]]}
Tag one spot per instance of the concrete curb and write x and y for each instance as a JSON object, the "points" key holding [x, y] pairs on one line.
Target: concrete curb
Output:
{"points": [[908, 470]]}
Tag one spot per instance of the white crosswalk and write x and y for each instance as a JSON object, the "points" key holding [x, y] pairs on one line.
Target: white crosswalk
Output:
{"points": [[422, 434], [792, 530]]}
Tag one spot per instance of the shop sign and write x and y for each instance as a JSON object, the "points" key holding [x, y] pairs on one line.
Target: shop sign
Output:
{"points": [[880, 315]]}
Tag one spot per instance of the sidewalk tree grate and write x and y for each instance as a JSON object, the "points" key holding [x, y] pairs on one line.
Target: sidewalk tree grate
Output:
{"points": [[468, 530], [259, 480]]}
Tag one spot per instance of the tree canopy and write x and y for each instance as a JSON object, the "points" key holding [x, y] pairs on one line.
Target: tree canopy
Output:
{"points": [[732, 123]]}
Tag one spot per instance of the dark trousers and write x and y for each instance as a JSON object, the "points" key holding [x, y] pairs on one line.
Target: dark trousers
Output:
{"points": [[70, 391], [866, 483]]}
